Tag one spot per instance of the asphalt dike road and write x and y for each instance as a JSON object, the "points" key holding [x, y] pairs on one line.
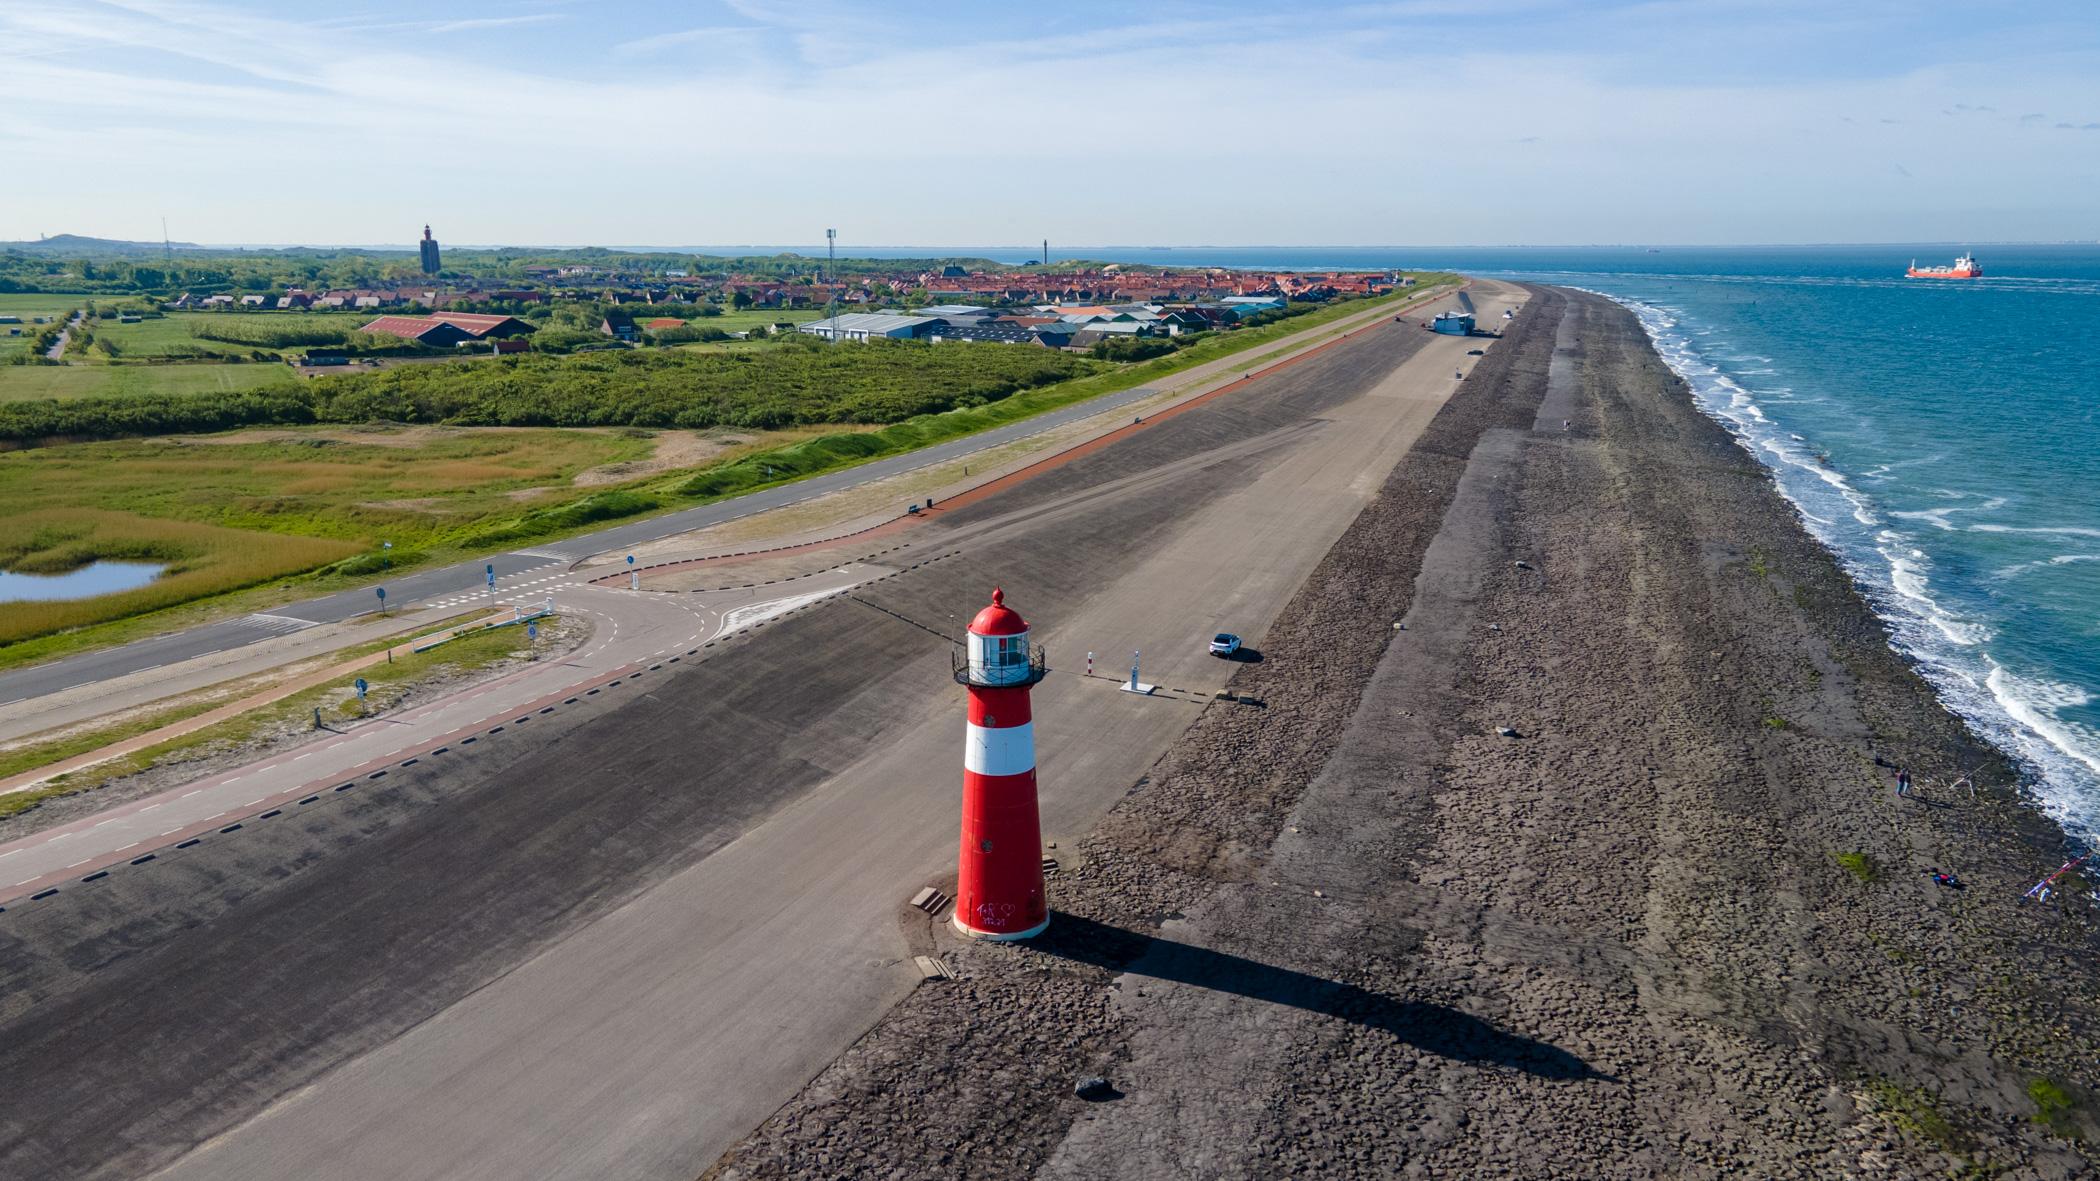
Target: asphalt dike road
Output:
{"points": [[163, 1005]]}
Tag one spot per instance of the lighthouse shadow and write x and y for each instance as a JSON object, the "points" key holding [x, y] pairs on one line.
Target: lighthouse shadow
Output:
{"points": [[1431, 1028]]}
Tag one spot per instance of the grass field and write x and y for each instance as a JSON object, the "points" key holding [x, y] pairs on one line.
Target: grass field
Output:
{"points": [[28, 382], [230, 513], [29, 307], [201, 560], [174, 335], [732, 320]]}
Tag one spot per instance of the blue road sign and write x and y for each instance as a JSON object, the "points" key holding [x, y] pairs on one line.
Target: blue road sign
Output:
{"points": [[630, 559], [532, 631], [361, 688], [382, 593]]}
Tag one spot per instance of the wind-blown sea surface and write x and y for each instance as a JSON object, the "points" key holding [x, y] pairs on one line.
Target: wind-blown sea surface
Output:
{"points": [[1941, 437]]}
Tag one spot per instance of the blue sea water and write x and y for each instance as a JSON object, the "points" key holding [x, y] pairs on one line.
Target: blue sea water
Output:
{"points": [[1941, 437]]}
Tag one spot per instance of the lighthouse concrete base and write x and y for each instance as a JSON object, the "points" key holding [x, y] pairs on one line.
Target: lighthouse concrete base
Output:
{"points": [[1001, 936], [1141, 688]]}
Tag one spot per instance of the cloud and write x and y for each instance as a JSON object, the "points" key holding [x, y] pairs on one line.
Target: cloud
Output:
{"points": [[176, 94], [663, 41], [494, 22]]}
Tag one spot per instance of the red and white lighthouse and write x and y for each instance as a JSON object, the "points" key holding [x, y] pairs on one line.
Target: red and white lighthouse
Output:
{"points": [[999, 894]]}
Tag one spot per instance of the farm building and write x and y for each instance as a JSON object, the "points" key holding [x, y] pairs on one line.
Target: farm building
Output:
{"points": [[484, 327], [446, 329], [421, 329]]}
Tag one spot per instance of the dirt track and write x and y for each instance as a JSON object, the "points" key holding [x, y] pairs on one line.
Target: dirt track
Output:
{"points": [[1359, 932]]}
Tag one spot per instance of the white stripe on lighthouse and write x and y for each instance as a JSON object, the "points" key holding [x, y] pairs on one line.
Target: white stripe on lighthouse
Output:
{"points": [[1005, 750]]}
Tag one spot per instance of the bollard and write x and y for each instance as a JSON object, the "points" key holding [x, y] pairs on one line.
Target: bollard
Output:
{"points": [[1090, 664]]}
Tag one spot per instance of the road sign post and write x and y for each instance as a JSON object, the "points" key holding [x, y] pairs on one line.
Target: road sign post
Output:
{"points": [[381, 591], [361, 687], [492, 579], [634, 576], [386, 550]]}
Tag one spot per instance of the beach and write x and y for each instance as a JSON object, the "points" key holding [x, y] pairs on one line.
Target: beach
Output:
{"points": [[1557, 832]]}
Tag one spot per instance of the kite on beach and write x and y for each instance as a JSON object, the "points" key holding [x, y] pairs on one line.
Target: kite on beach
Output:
{"points": [[2042, 891]]}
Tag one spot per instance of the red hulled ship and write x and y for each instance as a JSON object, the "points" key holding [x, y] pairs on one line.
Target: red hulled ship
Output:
{"points": [[1965, 267]]}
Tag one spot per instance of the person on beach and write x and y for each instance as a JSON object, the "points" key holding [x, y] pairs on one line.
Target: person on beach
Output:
{"points": [[1903, 783]]}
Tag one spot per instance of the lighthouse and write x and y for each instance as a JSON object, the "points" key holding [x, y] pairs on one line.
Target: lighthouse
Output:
{"points": [[999, 891]]}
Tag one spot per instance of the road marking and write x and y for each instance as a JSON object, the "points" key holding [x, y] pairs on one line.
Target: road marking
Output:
{"points": [[79, 863], [150, 807]]}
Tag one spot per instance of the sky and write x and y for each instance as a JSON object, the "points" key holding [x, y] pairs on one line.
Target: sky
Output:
{"points": [[721, 122]]}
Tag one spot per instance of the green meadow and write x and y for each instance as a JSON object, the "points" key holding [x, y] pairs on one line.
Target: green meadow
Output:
{"points": [[28, 307]]}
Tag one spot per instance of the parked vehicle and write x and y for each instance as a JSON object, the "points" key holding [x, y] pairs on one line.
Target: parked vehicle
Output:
{"points": [[1224, 644]]}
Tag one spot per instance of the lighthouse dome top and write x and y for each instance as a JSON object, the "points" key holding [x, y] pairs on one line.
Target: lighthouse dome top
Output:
{"points": [[998, 619]]}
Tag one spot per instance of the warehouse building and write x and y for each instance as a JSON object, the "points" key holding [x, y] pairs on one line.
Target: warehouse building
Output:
{"points": [[872, 325]]}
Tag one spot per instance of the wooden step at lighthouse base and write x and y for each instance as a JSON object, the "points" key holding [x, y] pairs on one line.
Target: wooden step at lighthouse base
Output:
{"points": [[931, 968]]}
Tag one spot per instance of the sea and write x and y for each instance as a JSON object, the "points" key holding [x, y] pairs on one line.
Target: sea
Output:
{"points": [[1941, 437]]}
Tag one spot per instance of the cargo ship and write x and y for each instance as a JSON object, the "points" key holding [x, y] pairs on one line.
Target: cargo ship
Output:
{"points": [[1965, 267]]}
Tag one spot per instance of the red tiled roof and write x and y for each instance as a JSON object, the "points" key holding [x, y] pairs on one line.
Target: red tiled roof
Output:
{"points": [[664, 322]]}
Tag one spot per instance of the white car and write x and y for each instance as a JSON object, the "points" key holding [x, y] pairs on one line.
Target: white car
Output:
{"points": [[1224, 644]]}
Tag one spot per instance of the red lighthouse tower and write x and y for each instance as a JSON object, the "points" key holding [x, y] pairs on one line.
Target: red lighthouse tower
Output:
{"points": [[1000, 891]]}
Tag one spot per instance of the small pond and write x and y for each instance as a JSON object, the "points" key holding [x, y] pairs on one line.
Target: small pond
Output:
{"points": [[96, 578]]}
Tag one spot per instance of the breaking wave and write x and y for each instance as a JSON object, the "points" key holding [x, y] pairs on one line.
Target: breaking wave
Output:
{"points": [[2020, 713]]}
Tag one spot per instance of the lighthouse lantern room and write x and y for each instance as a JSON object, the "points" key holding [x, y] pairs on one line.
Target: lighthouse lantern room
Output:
{"points": [[999, 884]]}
